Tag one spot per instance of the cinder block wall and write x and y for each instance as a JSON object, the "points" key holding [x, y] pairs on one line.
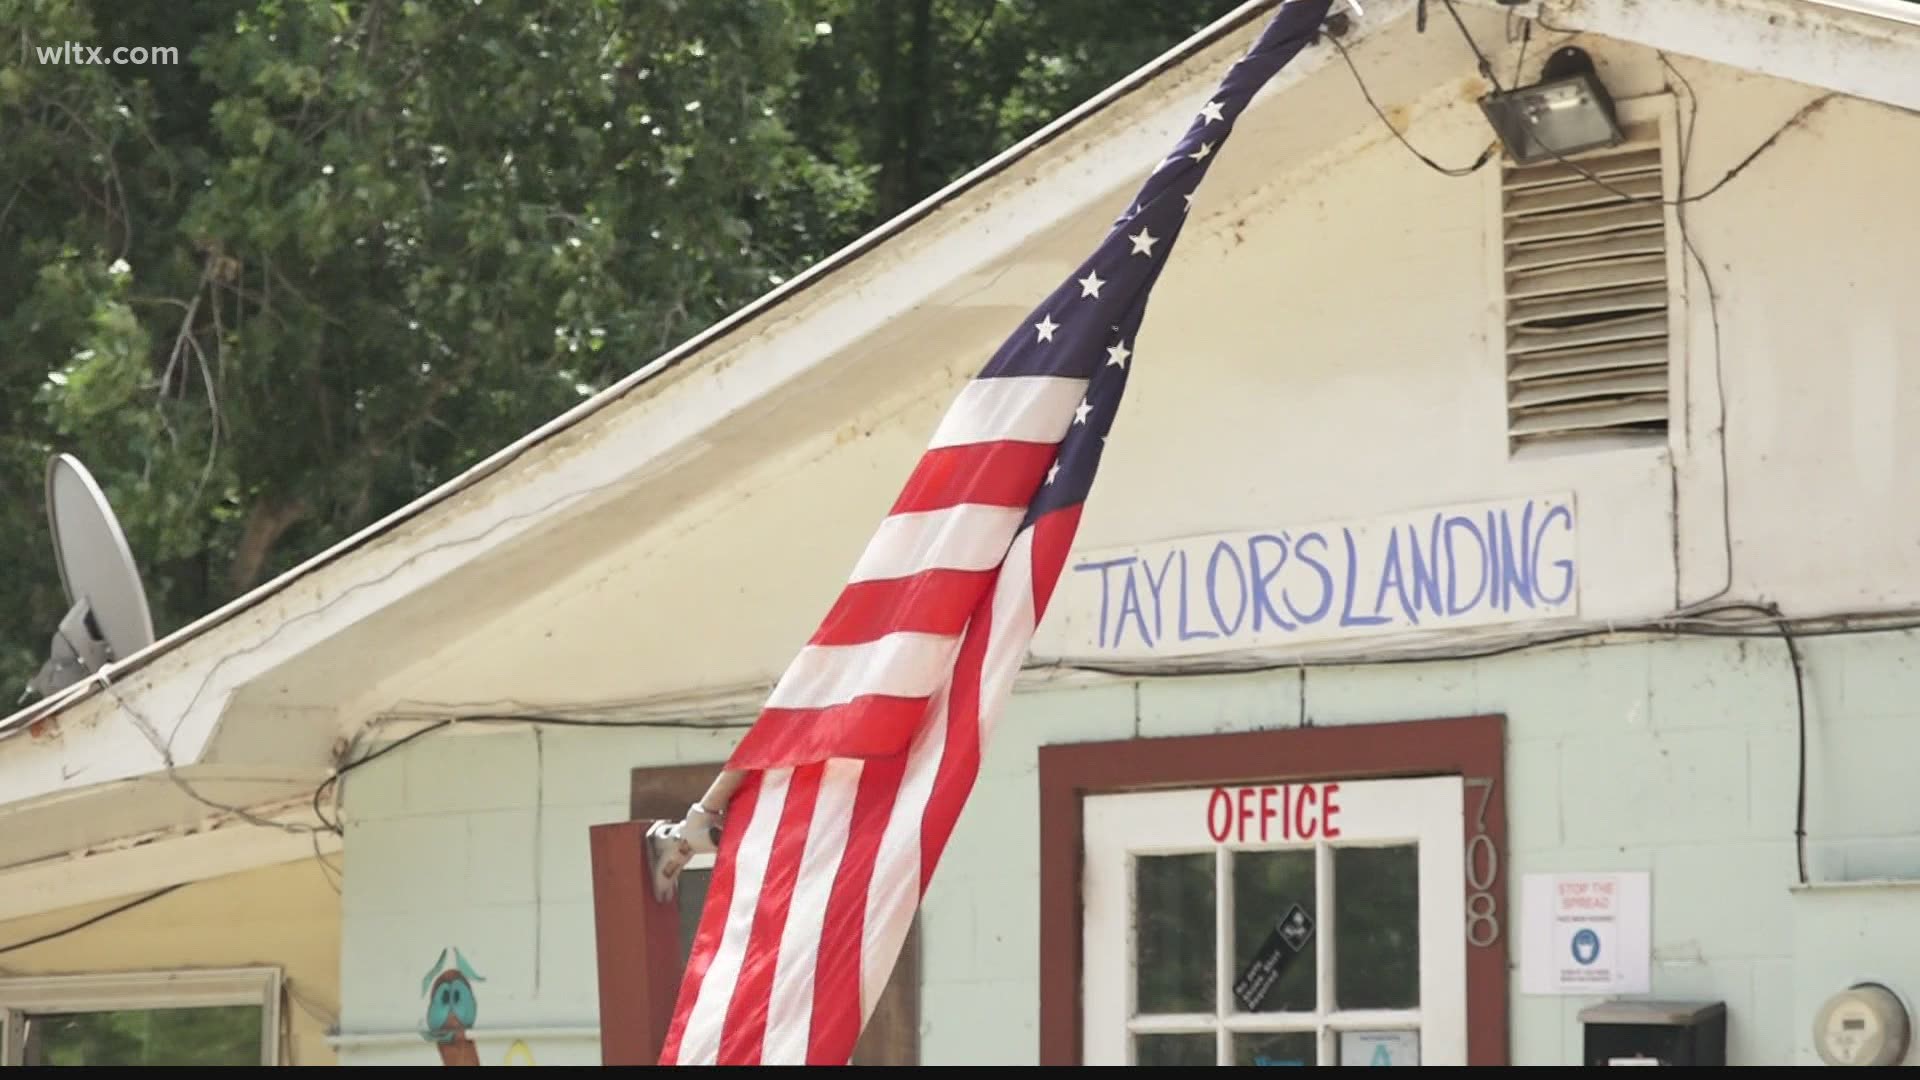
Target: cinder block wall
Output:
{"points": [[1677, 757]]}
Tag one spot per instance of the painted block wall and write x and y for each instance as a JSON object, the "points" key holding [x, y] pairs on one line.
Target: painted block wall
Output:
{"points": [[1677, 757]]}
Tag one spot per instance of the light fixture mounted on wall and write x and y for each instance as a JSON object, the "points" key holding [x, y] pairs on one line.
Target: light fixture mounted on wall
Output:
{"points": [[1567, 112]]}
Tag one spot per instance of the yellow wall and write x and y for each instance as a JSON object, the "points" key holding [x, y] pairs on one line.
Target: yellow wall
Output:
{"points": [[286, 915]]}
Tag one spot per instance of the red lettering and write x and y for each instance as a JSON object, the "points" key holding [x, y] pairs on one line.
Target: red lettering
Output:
{"points": [[1266, 811], [1218, 825], [1246, 812], [1328, 810], [1302, 824], [1286, 818]]}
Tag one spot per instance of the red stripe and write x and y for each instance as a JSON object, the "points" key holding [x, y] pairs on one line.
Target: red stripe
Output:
{"points": [[988, 474], [744, 1032], [960, 762], [713, 918], [838, 1011], [1052, 540], [930, 602], [869, 727]]}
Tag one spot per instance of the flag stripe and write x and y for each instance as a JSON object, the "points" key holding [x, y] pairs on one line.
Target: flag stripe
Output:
{"points": [[837, 980], [1023, 408], [986, 473], [904, 664], [964, 537], [746, 1017], [789, 1016], [700, 1044], [934, 602], [865, 728]]}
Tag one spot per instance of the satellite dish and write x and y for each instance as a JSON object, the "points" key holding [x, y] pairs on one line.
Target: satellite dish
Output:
{"points": [[108, 619]]}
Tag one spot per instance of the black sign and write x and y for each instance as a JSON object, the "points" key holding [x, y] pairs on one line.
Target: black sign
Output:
{"points": [[1283, 943]]}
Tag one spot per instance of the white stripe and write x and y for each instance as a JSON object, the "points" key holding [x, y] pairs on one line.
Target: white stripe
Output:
{"points": [[1012, 632], [1024, 408], [964, 537], [790, 1001], [893, 893], [700, 1040], [898, 665]]}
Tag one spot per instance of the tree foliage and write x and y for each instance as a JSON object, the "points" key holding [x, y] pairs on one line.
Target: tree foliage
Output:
{"points": [[341, 249]]}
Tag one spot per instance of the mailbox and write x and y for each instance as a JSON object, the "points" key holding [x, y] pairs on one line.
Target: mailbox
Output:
{"points": [[1655, 1033]]}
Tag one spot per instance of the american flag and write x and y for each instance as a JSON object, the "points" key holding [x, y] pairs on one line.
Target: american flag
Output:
{"points": [[862, 760]]}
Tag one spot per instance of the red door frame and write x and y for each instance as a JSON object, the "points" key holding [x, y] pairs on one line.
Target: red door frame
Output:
{"points": [[1470, 747]]}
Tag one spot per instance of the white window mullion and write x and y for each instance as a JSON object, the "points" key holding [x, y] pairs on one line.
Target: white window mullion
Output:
{"points": [[1223, 1003], [1323, 901]]}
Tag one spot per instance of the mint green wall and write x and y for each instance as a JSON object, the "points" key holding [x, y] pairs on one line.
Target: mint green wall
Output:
{"points": [[1675, 757]]}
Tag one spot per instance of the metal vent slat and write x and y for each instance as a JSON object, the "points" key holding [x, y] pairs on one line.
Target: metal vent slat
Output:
{"points": [[1568, 252], [1586, 223], [1588, 418], [1626, 192], [1604, 166], [1559, 309], [1587, 295], [1631, 328], [1549, 365], [1636, 270], [1615, 384]]}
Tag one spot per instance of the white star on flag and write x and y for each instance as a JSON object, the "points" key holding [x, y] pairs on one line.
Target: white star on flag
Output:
{"points": [[1211, 111], [1143, 242], [1046, 326], [1090, 285]]}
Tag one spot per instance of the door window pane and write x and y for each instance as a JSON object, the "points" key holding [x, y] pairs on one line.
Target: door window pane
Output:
{"points": [[1174, 903], [1376, 892], [1173, 1050], [1290, 1048], [1267, 885], [207, 1036]]}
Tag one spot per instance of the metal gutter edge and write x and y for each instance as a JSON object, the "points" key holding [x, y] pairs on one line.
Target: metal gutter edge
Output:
{"points": [[1897, 10], [507, 455]]}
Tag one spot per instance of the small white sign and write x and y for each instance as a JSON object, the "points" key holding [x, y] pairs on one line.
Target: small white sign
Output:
{"points": [[1379, 1048], [1588, 934]]}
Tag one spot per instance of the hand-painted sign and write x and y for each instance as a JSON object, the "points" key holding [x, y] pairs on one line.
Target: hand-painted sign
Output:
{"points": [[1460, 566], [1263, 815]]}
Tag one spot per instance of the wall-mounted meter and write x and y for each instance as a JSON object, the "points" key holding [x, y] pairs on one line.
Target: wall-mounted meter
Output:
{"points": [[1865, 1024]]}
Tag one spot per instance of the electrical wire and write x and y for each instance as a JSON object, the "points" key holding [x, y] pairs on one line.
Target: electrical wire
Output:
{"points": [[84, 923], [1444, 170]]}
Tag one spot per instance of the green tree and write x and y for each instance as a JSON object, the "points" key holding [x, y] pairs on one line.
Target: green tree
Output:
{"points": [[341, 249]]}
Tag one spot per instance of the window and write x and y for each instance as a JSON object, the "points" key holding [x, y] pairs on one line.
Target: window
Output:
{"points": [[1292, 923], [210, 1017], [1586, 272]]}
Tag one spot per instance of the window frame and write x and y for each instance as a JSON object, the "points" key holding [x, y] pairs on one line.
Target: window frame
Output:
{"points": [[1472, 747], [186, 988]]}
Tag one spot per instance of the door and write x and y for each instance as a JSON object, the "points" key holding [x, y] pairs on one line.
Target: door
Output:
{"points": [[1302, 923]]}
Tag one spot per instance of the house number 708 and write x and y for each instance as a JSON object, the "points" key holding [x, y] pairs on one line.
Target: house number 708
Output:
{"points": [[1483, 871]]}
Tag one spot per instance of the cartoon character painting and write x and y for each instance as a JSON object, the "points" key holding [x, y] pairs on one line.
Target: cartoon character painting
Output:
{"points": [[451, 1009]]}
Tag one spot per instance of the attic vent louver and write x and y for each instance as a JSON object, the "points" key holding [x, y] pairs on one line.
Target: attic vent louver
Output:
{"points": [[1586, 294]]}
